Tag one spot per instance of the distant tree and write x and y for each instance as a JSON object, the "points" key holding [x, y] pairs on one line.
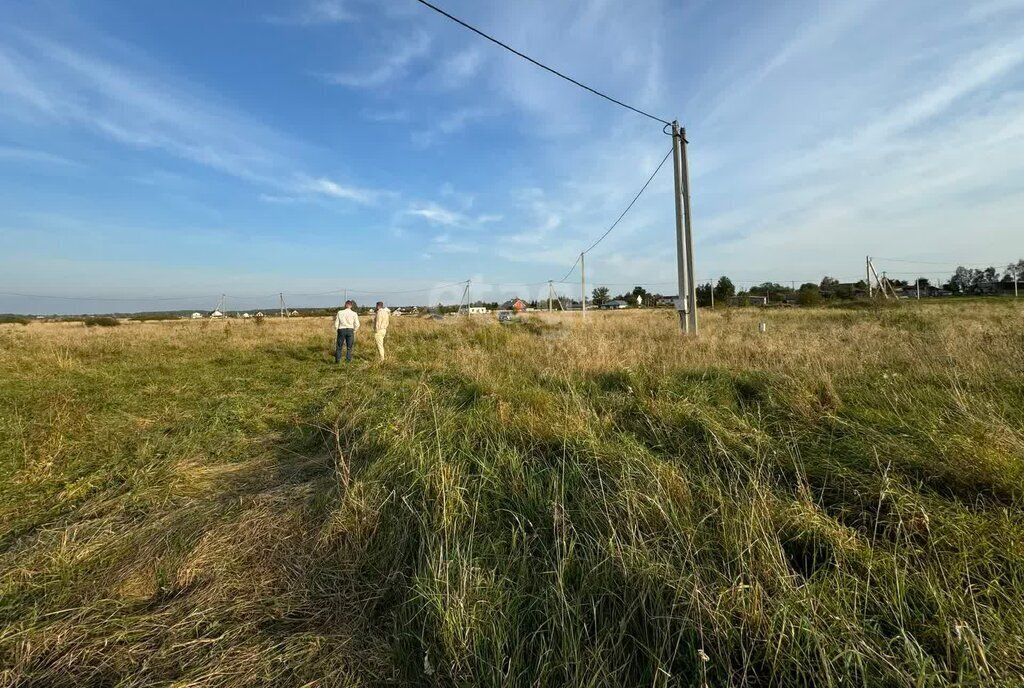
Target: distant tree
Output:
{"points": [[829, 286], [601, 296], [639, 295], [724, 290], [964, 280], [704, 294], [1015, 271], [770, 289], [809, 294]]}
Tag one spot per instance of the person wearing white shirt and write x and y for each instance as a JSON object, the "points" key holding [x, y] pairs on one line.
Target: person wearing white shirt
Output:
{"points": [[381, 319], [346, 322]]}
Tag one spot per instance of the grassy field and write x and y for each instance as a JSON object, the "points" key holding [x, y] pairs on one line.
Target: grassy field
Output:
{"points": [[837, 502]]}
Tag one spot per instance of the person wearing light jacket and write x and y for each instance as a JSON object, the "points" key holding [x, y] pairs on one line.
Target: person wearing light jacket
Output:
{"points": [[381, 318], [346, 322]]}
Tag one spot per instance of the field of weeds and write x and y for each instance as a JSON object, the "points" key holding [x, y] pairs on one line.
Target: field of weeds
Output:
{"points": [[837, 502]]}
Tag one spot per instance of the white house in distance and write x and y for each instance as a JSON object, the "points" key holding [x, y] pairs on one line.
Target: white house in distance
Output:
{"points": [[476, 310], [246, 315], [614, 305], [216, 314], [197, 316]]}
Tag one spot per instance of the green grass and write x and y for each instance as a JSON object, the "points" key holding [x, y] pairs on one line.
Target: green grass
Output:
{"points": [[838, 502]]}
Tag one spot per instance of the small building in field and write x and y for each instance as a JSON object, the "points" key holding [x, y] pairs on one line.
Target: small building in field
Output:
{"points": [[197, 316], [748, 300], [246, 315], [216, 314], [617, 304], [476, 310]]}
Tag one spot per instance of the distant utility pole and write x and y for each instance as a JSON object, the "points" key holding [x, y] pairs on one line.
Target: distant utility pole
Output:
{"points": [[465, 294], [280, 296], [550, 289], [686, 303], [867, 264], [918, 288], [711, 289], [1015, 283], [884, 287], [583, 283]]}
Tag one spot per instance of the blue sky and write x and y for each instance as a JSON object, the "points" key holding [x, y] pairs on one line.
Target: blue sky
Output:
{"points": [[190, 149]]}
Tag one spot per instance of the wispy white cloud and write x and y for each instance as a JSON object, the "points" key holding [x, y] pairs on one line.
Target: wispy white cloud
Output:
{"points": [[315, 13], [30, 155], [19, 87], [64, 86], [447, 124], [326, 187], [889, 131], [437, 215], [457, 69], [392, 66], [441, 216], [446, 244], [398, 115], [987, 9]]}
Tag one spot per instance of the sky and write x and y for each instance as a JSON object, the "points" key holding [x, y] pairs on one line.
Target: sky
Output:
{"points": [[155, 155]]}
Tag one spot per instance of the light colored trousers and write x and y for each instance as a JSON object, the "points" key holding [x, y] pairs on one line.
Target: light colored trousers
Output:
{"points": [[378, 337]]}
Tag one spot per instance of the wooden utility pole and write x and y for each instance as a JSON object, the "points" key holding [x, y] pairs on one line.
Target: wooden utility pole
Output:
{"points": [[687, 298], [550, 289], [871, 290], [583, 284]]}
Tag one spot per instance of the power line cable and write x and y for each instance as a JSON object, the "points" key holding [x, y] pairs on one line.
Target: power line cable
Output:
{"points": [[617, 221], [539, 64], [631, 203]]}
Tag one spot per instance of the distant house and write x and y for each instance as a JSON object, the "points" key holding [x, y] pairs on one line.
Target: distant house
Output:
{"points": [[216, 314], [517, 305], [294, 313], [910, 291], [790, 298], [246, 315], [617, 304], [748, 300], [259, 315], [476, 310], [667, 301], [197, 316]]}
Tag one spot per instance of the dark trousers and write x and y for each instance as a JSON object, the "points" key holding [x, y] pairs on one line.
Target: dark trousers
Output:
{"points": [[347, 337]]}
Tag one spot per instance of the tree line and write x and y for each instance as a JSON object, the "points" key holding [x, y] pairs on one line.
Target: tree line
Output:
{"points": [[964, 280]]}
